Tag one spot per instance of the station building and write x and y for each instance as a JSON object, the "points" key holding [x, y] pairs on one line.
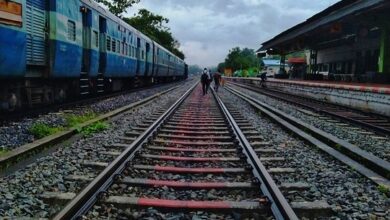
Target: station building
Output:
{"points": [[349, 41]]}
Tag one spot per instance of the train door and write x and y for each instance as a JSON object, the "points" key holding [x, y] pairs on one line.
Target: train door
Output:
{"points": [[138, 50], [36, 28], [157, 63], [36, 52], [169, 65], [102, 44], [86, 19], [102, 54], [86, 51], [153, 59], [147, 60]]}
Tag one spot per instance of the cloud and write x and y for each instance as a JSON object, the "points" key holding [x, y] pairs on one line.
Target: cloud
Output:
{"points": [[207, 29]]}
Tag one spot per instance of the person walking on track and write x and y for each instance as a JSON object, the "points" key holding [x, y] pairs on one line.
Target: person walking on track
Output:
{"points": [[205, 80], [209, 81], [217, 80]]}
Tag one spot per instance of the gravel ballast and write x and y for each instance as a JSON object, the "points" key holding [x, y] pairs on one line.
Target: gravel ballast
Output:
{"points": [[376, 144], [20, 192], [350, 195], [16, 134]]}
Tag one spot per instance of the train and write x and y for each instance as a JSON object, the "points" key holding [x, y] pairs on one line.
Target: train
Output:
{"points": [[55, 50]]}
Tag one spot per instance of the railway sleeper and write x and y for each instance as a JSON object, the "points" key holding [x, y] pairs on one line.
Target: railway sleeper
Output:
{"points": [[187, 184], [133, 133], [194, 133], [193, 150], [191, 159], [204, 124], [196, 122], [196, 128], [310, 210], [125, 202], [185, 137], [313, 209], [192, 143]]}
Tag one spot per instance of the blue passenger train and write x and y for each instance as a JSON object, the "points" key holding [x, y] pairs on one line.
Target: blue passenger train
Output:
{"points": [[51, 50]]}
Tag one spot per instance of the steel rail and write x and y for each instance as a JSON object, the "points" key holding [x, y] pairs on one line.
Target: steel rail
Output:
{"points": [[281, 209], [268, 92], [90, 195], [343, 151], [7, 117], [27, 150]]}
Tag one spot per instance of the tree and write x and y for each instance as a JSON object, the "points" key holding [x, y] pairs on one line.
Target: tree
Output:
{"points": [[117, 7], [153, 26], [238, 59], [221, 67]]}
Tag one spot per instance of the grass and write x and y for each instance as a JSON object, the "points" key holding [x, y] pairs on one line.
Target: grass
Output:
{"points": [[94, 128], [75, 120], [41, 130], [383, 189], [3, 152]]}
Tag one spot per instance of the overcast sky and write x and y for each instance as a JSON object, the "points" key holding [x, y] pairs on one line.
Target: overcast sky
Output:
{"points": [[207, 29]]}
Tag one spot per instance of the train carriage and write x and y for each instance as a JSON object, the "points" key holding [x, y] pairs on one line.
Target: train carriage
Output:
{"points": [[51, 50]]}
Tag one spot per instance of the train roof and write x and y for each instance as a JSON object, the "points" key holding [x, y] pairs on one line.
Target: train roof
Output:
{"points": [[113, 17], [163, 48]]}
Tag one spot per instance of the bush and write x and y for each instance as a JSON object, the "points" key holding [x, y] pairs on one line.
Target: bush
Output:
{"points": [[41, 130], [94, 128], [75, 120]]}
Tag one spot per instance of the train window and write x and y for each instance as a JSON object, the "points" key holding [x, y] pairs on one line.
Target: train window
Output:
{"points": [[118, 44], [71, 30], [96, 36], [108, 43], [113, 45], [126, 51], [130, 52], [143, 55]]}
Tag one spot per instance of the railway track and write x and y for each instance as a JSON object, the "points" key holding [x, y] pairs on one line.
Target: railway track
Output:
{"points": [[369, 165], [371, 121], [14, 157], [8, 117], [194, 157]]}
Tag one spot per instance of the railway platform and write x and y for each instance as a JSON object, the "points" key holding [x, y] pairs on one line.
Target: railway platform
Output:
{"points": [[373, 98]]}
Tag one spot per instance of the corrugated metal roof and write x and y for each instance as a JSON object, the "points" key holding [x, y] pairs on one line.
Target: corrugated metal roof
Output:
{"points": [[333, 13]]}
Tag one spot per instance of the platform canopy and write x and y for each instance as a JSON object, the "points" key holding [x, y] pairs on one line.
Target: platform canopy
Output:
{"points": [[339, 24]]}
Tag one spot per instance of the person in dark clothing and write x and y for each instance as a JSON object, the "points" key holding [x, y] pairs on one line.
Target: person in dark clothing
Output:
{"points": [[263, 78], [204, 79], [210, 79], [217, 80]]}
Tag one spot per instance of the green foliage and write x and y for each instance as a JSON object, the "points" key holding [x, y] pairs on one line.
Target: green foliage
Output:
{"points": [[241, 59], [117, 7], [3, 152], [383, 189], [93, 128], [41, 130], [221, 67], [75, 120], [153, 26]]}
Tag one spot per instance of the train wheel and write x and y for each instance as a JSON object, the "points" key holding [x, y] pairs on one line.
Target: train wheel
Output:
{"points": [[12, 102], [61, 95]]}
